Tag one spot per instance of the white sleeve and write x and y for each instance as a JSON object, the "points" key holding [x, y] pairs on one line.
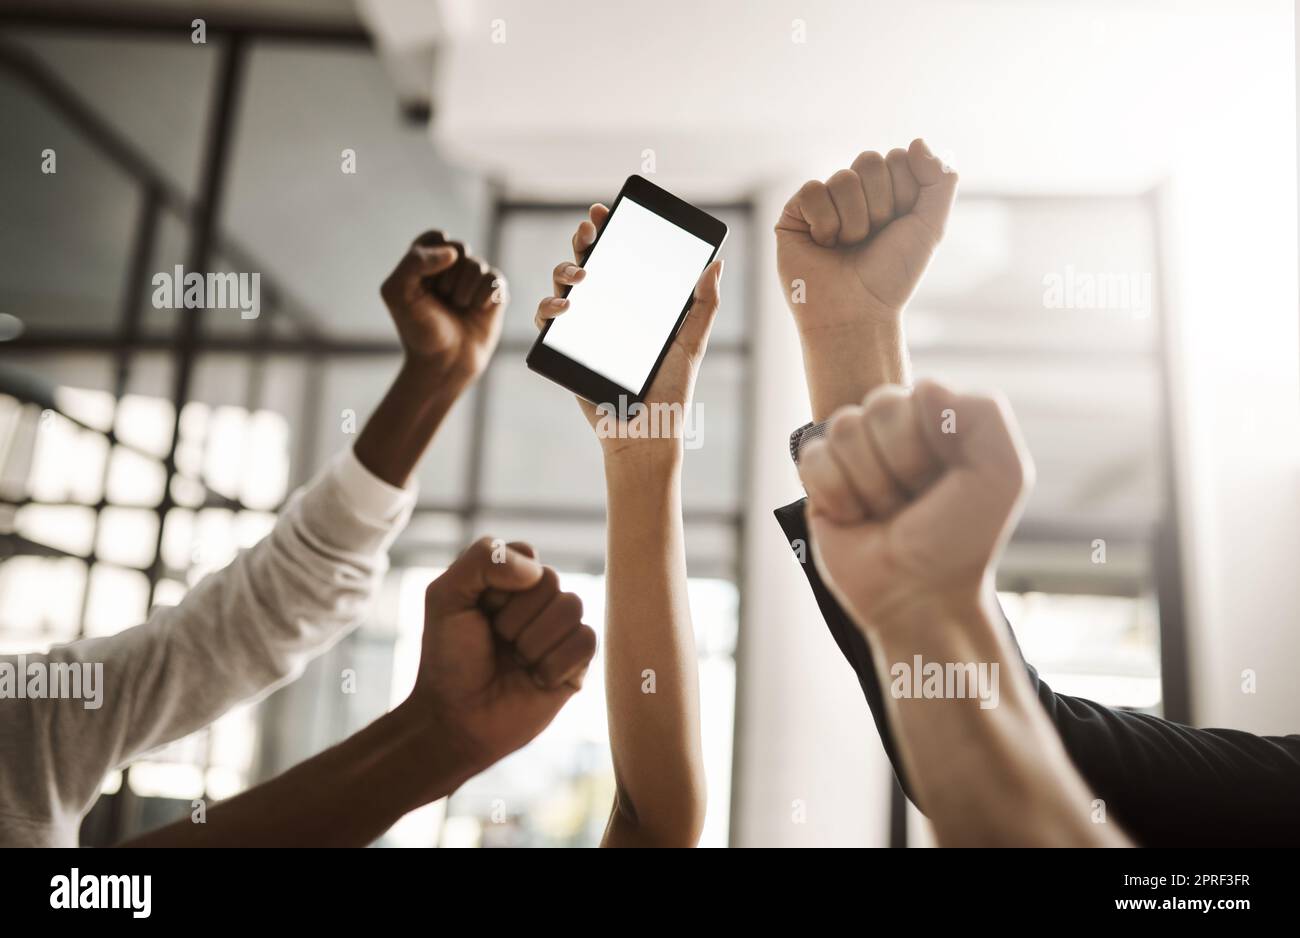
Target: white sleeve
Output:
{"points": [[239, 634]]}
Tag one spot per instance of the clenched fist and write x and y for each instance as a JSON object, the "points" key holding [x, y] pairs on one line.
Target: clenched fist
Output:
{"points": [[488, 692], [856, 245], [447, 306], [911, 498], [850, 251]]}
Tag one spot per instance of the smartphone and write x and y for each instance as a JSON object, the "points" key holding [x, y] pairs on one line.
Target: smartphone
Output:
{"points": [[641, 276]]}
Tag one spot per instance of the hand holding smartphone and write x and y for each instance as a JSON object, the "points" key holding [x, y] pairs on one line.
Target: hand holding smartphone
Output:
{"points": [[633, 298]]}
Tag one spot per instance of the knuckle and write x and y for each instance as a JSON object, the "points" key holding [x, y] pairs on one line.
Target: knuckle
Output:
{"points": [[879, 401], [1013, 474], [843, 425], [482, 547], [586, 642], [550, 581], [568, 607]]}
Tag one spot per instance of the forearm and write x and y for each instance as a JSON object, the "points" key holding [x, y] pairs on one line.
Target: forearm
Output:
{"points": [[650, 663], [399, 431], [985, 763], [346, 796], [842, 363]]}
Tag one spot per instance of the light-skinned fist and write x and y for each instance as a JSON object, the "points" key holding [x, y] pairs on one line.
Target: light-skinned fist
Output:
{"points": [[851, 249], [911, 497]]}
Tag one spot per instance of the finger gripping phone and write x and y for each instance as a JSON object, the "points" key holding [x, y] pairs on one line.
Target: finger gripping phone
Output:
{"points": [[641, 273]]}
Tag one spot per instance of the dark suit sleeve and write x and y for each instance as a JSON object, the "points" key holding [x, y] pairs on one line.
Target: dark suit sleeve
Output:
{"points": [[1165, 783]]}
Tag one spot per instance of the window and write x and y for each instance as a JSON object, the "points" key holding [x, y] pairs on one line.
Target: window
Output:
{"points": [[117, 495], [1053, 301]]}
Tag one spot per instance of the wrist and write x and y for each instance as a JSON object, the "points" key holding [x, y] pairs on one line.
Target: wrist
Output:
{"points": [[641, 462], [960, 619], [844, 361], [642, 477], [434, 375], [437, 758]]}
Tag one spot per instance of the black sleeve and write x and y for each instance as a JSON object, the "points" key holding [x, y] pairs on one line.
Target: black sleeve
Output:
{"points": [[1165, 783]]}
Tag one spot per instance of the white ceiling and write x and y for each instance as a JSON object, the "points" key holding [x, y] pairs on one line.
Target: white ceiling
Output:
{"points": [[1020, 94]]}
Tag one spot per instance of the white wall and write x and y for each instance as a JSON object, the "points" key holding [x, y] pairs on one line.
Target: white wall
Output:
{"points": [[1231, 221], [804, 732]]}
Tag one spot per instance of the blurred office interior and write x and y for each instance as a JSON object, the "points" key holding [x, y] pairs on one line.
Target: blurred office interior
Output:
{"points": [[1148, 141]]}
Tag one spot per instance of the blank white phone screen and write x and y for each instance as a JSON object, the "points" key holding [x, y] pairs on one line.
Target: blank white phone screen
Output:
{"points": [[639, 277]]}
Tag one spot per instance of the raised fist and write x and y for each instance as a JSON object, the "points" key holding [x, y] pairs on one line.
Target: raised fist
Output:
{"points": [[911, 497], [853, 248]]}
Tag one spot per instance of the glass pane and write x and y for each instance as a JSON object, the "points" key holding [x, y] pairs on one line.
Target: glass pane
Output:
{"points": [[1102, 648], [574, 545], [171, 248], [1052, 301], [430, 539], [221, 380], [215, 542], [178, 540], [85, 209], [1093, 432], [127, 536], [330, 237], [69, 528], [68, 463], [118, 599], [134, 479], [88, 208], [1038, 274], [734, 315], [66, 369], [353, 386], [711, 471], [159, 102], [40, 602], [580, 545], [146, 423], [151, 375], [532, 243], [540, 451]]}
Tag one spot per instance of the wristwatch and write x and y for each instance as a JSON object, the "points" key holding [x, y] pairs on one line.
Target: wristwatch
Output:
{"points": [[804, 435]]}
